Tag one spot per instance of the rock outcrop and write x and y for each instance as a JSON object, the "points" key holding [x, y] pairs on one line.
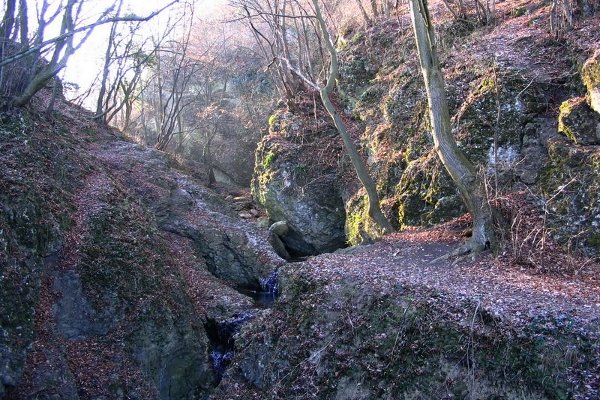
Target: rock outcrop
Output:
{"points": [[111, 261], [295, 180], [503, 105], [234, 250], [384, 322], [590, 75], [579, 122]]}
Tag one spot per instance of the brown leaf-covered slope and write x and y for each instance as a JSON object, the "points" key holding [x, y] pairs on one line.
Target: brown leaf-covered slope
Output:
{"points": [[112, 260], [389, 321]]}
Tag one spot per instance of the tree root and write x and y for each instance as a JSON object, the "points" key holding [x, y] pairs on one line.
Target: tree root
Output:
{"points": [[469, 249]]}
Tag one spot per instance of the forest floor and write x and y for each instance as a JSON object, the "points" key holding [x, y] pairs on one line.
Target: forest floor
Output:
{"points": [[527, 279]]}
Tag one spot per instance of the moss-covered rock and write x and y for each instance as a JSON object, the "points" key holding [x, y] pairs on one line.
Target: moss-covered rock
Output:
{"points": [[495, 112], [590, 75], [570, 183], [296, 180], [579, 122]]}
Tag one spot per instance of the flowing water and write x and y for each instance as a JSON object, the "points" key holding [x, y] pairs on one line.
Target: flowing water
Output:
{"points": [[221, 333]]}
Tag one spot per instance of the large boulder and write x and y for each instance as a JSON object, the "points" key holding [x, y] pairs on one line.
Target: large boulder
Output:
{"points": [[296, 180]]}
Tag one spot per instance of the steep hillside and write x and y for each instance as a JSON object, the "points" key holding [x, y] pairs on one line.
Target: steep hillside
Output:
{"points": [[520, 111], [114, 264]]}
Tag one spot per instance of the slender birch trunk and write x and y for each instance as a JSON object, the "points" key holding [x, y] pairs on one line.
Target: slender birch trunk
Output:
{"points": [[461, 170]]}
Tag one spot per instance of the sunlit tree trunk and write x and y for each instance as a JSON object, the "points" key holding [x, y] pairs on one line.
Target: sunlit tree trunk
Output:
{"points": [[461, 170], [359, 165], [363, 12]]}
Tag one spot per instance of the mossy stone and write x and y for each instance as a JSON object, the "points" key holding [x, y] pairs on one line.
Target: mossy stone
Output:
{"points": [[571, 179], [579, 122], [590, 72]]}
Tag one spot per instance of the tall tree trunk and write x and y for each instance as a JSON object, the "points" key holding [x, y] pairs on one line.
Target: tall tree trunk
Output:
{"points": [[8, 21], [359, 165], [461, 170], [23, 23], [6, 28], [55, 92], [100, 105], [375, 9], [363, 12]]}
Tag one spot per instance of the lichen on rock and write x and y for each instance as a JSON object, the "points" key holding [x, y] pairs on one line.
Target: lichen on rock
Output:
{"points": [[295, 180], [570, 184], [579, 122], [590, 75]]}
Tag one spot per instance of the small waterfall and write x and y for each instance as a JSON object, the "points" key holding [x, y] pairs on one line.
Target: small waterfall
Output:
{"points": [[270, 285], [265, 293], [220, 334]]}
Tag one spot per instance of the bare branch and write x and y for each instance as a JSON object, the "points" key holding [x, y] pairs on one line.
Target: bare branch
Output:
{"points": [[85, 28]]}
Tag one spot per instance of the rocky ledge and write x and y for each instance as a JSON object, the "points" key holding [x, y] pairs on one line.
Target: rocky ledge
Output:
{"points": [[389, 321]]}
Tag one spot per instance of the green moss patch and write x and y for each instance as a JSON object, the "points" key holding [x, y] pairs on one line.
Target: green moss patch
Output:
{"points": [[590, 73], [579, 122]]}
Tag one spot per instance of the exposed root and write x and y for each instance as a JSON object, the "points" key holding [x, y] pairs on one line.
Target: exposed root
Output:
{"points": [[469, 249]]}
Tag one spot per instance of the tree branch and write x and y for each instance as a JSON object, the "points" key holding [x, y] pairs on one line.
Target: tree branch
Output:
{"points": [[45, 43]]}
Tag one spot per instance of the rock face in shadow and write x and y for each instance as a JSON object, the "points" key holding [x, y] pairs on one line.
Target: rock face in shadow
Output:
{"points": [[111, 261], [296, 181], [75, 317]]}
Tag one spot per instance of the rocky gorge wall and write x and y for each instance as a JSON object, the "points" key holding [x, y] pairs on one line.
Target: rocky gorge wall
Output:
{"points": [[509, 87], [113, 265]]}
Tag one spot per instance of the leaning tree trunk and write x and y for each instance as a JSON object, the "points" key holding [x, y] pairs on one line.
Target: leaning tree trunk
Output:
{"points": [[359, 165], [461, 170]]}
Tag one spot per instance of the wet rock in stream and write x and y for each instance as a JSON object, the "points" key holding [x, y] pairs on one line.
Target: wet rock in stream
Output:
{"points": [[221, 336], [221, 333]]}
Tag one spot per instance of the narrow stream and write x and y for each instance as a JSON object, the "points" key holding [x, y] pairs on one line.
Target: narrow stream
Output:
{"points": [[221, 333]]}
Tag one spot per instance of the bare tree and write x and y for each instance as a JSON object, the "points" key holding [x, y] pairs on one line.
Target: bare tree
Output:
{"points": [[561, 16], [461, 170], [125, 62], [28, 52], [173, 76], [173, 94], [299, 68], [357, 161], [268, 22], [363, 12]]}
